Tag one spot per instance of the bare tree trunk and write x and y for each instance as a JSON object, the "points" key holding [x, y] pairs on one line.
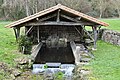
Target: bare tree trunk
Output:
{"points": [[118, 11], [101, 11], [27, 8], [36, 6]]}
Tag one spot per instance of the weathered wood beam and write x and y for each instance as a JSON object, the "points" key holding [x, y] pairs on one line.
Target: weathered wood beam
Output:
{"points": [[99, 29], [95, 36], [76, 52], [29, 30], [18, 32], [70, 18], [56, 23], [48, 17], [79, 18], [36, 51], [87, 33], [58, 16], [38, 33], [78, 31], [15, 33]]}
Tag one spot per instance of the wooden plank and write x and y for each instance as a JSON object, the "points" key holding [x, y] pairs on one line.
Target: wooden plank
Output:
{"points": [[48, 17], [78, 31], [38, 33], [36, 51], [29, 30], [70, 18], [95, 36], [18, 32], [15, 32], [58, 16], [88, 33], [76, 52], [51, 23]]}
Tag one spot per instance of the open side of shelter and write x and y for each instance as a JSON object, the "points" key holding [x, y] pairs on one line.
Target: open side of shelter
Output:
{"points": [[54, 28]]}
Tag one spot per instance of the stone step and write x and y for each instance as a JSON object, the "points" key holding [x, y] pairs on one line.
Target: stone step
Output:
{"points": [[85, 55], [85, 59]]}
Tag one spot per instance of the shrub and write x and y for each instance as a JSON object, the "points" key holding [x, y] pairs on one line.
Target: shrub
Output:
{"points": [[24, 44]]}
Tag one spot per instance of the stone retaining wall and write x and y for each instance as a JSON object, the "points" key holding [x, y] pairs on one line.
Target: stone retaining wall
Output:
{"points": [[111, 36]]}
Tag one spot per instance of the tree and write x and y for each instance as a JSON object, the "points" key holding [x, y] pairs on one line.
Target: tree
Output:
{"points": [[117, 6]]}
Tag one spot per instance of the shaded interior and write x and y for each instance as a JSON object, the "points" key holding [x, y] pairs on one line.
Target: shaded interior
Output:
{"points": [[63, 55]]}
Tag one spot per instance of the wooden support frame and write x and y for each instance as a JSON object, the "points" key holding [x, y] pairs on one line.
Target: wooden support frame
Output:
{"points": [[36, 50], [29, 30], [95, 36], [38, 34], [87, 33], [58, 16], [48, 17], [99, 30], [17, 32], [51, 23], [69, 18], [76, 52], [78, 31]]}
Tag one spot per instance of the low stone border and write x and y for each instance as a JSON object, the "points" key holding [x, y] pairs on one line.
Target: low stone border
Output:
{"points": [[111, 36]]}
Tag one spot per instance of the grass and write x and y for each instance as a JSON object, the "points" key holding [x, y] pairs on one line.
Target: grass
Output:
{"points": [[114, 24], [106, 65], [8, 47]]}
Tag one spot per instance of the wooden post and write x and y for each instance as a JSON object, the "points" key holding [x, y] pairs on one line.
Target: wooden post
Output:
{"points": [[38, 33], [15, 33], [99, 31], [18, 32], [95, 36], [28, 30], [58, 16]]}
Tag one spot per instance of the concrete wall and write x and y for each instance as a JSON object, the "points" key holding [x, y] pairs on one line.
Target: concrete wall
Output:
{"points": [[111, 36]]}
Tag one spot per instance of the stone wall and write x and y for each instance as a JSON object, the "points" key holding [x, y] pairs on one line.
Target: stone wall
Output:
{"points": [[111, 36]]}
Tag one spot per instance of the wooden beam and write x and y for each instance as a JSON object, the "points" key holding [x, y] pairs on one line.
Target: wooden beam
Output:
{"points": [[36, 50], [87, 33], [79, 18], [70, 18], [99, 30], [29, 30], [18, 32], [48, 17], [58, 16], [76, 52], [95, 36], [38, 33], [51, 23], [78, 31], [15, 32]]}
